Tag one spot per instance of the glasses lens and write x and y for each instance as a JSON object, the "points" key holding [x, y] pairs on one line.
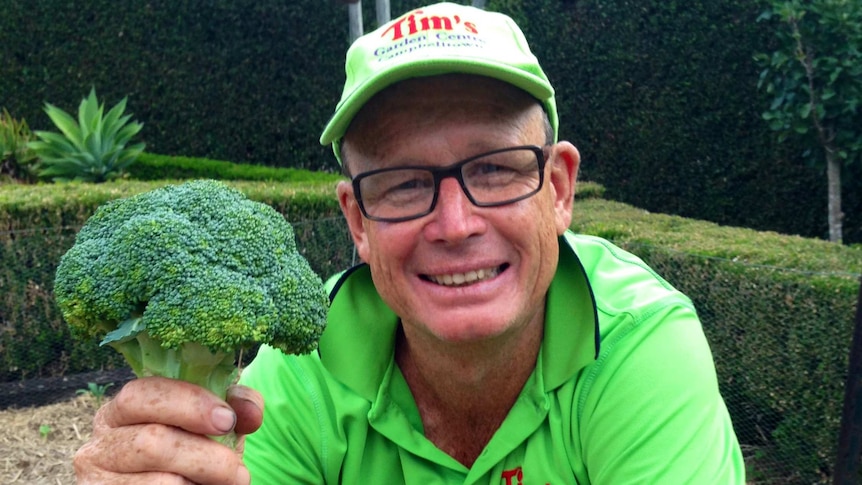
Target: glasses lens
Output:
{"points": [[503, 177], [495, 178], [396, 194]]}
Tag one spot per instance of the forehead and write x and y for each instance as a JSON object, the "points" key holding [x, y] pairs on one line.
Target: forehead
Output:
{"points": [[486, 112]]}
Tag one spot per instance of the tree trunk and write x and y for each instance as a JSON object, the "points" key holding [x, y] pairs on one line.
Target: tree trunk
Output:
{"points": [[836, 217], [383, 14], [354, 15], [825, 135], [479, 3]]}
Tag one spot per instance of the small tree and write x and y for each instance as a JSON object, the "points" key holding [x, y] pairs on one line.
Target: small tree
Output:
{"points": [[815, 78]]}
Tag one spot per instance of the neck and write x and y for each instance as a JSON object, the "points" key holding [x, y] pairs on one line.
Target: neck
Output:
{"points": [[465, 391], [468, 369]]}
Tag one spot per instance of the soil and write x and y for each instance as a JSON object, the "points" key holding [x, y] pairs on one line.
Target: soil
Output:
{"points": [[30, 456], [44, 422]]}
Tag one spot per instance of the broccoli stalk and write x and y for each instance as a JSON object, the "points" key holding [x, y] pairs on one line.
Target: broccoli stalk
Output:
{"points": [[190, 362], [180, 279]]}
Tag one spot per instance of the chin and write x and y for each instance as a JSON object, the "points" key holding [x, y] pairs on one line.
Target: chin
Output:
{"points": [[469, 332]]}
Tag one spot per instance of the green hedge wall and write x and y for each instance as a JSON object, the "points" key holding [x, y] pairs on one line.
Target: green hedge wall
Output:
{"points": [[778, 312], [149, 166], [660, 96], [242, 80], [39, 224]]}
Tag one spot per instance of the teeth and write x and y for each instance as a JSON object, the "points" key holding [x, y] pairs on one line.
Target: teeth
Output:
{"points": [[460, 279]]}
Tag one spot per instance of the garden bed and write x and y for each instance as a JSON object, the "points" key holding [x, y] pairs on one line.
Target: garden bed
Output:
{"points": [[39, 392], [37, 443]]}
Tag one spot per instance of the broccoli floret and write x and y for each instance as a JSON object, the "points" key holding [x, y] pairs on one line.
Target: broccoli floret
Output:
{"points": [[181, 278]]}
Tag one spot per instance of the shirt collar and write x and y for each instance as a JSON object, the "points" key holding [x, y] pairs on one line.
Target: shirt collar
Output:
{"points": [[358, 344]]}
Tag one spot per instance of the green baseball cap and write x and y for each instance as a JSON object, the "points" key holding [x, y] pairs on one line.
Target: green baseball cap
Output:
{"points": [[437, 39]]}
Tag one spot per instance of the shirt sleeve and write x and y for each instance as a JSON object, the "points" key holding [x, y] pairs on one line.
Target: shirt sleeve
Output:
{"points": [[288, 448], [652, 412]]}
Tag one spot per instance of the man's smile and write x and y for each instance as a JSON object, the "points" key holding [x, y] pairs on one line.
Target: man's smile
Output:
{"points": [[463, 279]]}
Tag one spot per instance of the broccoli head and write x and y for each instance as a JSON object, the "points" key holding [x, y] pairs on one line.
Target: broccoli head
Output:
{"points": [[181, 278]]}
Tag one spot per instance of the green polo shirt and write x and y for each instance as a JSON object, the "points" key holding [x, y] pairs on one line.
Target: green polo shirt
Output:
{"points": [[641, 407]]}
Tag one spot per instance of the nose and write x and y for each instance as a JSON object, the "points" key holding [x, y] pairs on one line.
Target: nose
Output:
{"points": [[454, 218]]}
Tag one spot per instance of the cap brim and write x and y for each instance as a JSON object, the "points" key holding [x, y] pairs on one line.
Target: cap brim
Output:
{"points": [[347, 109]]}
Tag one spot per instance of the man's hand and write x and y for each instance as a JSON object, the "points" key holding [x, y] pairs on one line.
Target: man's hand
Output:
{"points": [[154, 431]]}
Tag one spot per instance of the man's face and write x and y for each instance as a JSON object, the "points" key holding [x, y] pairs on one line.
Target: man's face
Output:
{"points": [[461, 273]]}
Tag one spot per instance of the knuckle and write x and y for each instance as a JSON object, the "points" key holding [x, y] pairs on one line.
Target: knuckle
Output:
{"points": [[82, 460], [86, 463], [156, 446], [125, 397], [100, 421]]}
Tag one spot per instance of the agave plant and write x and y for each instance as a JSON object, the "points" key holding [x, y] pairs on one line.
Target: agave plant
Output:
{"points": [[16, 159], [93, 149]]}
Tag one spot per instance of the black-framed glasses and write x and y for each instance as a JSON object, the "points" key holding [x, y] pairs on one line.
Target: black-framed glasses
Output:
{"points": [[491, 179]]}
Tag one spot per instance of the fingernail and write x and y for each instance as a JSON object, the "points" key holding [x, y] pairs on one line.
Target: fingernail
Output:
{"points": [[242, 476], [223, 419]]}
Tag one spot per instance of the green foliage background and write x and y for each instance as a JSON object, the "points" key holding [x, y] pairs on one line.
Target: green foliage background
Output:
{"points": [[240, 80], [660, 96]]}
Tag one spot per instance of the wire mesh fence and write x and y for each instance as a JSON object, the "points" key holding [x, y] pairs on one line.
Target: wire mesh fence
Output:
{"points": [[780, 350]]}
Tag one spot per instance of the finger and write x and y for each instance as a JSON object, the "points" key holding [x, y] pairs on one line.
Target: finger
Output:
{"points": [[166, 401], [141, 449], [248, 406], [149, 478]]}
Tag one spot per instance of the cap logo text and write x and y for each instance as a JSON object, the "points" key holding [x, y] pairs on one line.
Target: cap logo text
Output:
{"points": [[416, 22]]}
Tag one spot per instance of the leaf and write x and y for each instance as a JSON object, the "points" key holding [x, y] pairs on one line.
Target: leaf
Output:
{"points": [[89, 148], [125, 331], [776, 103], [65, 123], [89, 112], [127, 133]]}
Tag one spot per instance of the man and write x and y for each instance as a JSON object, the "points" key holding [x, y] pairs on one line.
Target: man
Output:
{"points": [[482, 342]]}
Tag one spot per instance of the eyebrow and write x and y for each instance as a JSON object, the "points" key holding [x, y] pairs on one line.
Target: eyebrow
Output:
{"points": [[476, 147]]}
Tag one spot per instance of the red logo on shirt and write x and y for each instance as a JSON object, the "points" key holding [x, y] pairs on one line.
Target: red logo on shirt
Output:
{"points": [[515, 474]]}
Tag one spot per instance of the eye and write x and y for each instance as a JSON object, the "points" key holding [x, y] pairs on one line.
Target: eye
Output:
{"points": [[411, 184], [399, 186], [487, 172], [488, 168]]}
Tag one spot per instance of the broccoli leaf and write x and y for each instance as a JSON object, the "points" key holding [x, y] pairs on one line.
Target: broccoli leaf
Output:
{"points": [[125, 331]]}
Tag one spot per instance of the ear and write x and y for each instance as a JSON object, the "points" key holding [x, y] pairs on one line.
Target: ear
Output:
{"points": [[353, 216], [564, 161]]}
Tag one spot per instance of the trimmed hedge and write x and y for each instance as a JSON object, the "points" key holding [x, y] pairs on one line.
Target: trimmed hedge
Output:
{"points": [[51, 206], [150, 166], [39, 224], [778, 312]]}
